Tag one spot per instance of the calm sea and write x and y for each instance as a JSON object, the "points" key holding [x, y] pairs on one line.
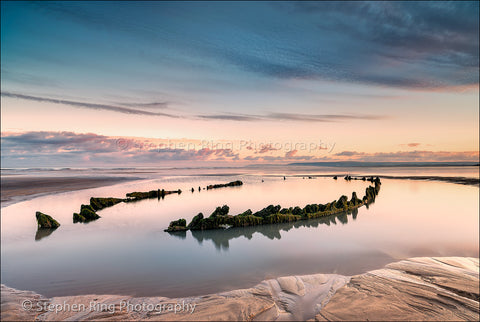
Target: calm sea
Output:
{"points": [[127, 252]]}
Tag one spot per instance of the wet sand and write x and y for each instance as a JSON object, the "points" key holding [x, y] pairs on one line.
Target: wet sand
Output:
{"points": [[422, 288], [19, 188]]}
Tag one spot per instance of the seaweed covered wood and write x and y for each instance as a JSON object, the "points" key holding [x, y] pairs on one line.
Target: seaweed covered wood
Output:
{"points": [[89, 212], [100, 203], [222, 185], [134, 196], [276, 214]]}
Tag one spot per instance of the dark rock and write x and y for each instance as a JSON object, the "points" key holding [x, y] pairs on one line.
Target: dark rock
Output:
{"points": [[78, 218], [177, 225], [195, 224], [88, 212], [244, 221], [101, 203], [280, 218], [135, 196], [222, 185], [269, 210], [297, 211], [220, 211], [44, 221], [355, 200], [330, 207], [246, 213], [310, 209], [342, 202]]}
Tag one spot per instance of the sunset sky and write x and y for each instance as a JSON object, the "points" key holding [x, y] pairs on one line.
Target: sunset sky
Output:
{"points": [[156, 83]]}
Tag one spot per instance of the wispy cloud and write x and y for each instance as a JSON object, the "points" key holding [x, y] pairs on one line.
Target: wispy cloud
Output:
{"points": [[402, 44], [411, 145], [150, 105], [322, 117], [293, 117], [29, 79], [231, 117], [86, 105], [419, 45], [417, 155], [273, 116], [267, 148], [349, 154]]}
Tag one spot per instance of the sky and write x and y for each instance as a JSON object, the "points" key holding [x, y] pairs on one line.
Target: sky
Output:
{"points": [[162, 83]]}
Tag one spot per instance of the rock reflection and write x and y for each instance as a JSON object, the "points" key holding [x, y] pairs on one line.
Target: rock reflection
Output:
{"points": [[221, 237], [178, 234], [42, 233]]}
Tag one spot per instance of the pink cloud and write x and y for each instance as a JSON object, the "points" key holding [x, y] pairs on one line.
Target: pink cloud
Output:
{"points": [[45, 148], [290, 154], [411, 145], [267, 148]]}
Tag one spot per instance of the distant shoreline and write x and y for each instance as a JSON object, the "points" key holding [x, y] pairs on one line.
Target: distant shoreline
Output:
{"points": [[22, 188], [468, 181], [459, 180], [16, 189], [367, 164]]}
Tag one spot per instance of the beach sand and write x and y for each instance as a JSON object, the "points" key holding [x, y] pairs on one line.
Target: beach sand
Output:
{"points": [[19, 188], [423, 288]]}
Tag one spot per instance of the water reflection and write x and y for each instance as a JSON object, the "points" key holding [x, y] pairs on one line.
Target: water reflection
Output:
{"points": [[44, 232], [221, 237], [178, 234], [389, 229]]}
